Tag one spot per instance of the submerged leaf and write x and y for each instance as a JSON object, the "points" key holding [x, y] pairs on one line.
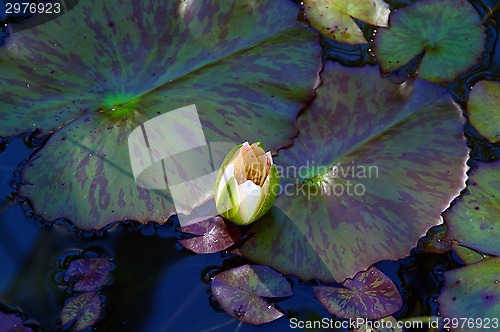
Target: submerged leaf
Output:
{"points": [[449, 32], [473, 292], [85, 309], [374, 166], [89, 273], [333, 18], [216, 235], [239, 292], [241, 63], [370, 294], [12, 323], [474, 220], [484, 109]]}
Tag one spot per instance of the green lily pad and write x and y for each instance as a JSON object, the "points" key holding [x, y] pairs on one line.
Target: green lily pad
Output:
{"points": [[374, 166], [473, 220], [242, 64], [449, 32], [472, 293], [370, 294], [85, 309], [333, 18], [239, 292], [468, 256], [484, 109]]}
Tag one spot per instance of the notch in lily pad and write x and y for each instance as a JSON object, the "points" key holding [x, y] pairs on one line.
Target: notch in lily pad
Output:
{"points": [[241, 292], [370, 294], [88, 273], [448, 34]]}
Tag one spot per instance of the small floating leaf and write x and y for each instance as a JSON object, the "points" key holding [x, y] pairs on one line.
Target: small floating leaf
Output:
{"points": [[370, 294], [474, 220], [216, 235], [333, 18], [85, 309], [12, 323], [473, 292], [449, 32], [239, 292], [484, 109], [90, 273], [398, 160]]}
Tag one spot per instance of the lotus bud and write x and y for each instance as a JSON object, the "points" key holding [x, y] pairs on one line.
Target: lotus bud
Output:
{"points": [[247, 184]]}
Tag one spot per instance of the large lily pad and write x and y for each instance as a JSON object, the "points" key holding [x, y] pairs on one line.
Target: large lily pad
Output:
{"points": [[474, 220], [484, 109], [334, 18], [471, 295], [84, 310], [239, 292], [242, 64], [370, 294], [411, 132], [448, 32]]}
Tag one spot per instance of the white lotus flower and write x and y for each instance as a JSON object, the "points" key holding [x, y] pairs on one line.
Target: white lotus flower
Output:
{"points": [[247, 184]]}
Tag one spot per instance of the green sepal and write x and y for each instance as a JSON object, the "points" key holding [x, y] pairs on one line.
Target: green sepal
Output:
{"points": [[270, 198], [227, 203], [223, 166]]}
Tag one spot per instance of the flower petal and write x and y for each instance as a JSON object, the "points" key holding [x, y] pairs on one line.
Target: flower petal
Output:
{"points": [[250, 201]]}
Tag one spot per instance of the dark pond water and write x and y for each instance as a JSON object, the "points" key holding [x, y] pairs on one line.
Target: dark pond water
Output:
{"points": [[156, 284]]}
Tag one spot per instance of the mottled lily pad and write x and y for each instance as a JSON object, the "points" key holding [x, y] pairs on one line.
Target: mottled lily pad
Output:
{"points": [[216, 234], [12, 323], [448, 32], [405, 145], [242, 64], [333, 18], [472, 293], [370, 294], [88, 273], [474, 220], [239, 291], [484, 109], [387, 324], [85, 309]]}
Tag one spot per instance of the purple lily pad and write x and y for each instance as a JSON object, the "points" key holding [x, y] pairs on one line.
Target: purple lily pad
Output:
{"points": [[12, 323], [85, 309], [473, 293], [89, 273], [216, 235], [370, 294], [239, 292], [374, 166]]}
